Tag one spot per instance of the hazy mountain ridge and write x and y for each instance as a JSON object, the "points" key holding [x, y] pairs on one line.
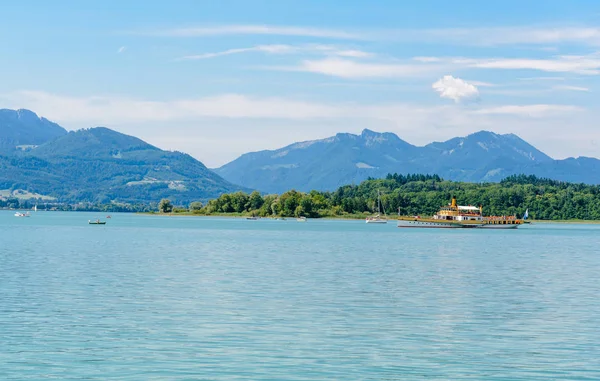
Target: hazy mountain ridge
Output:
{"points": [[102, 165], [19, 128], [346, 158]]}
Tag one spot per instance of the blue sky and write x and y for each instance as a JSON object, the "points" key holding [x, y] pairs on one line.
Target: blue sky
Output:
{"points": [[220, 78]]}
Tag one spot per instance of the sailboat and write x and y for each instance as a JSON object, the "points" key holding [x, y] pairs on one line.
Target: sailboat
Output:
{"points": [[525, 217], [377, 219]]}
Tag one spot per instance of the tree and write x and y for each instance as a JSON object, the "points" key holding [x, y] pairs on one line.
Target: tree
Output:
{"points": [[255, 201], [165, 206], [196, 206], [239, 201]]}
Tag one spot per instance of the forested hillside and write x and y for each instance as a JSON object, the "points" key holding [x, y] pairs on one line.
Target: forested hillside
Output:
{"points": [[424, 195]]}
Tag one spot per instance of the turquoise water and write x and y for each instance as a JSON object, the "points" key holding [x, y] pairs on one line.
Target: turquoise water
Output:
{"points": [[186, 298]]}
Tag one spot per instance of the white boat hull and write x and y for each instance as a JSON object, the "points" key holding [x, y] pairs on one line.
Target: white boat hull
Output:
{"points": [[451, 225], [491, 226], [376, 221], [428, 224]]}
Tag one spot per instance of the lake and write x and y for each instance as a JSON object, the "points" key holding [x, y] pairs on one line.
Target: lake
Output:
{"points": [[193, 298]]}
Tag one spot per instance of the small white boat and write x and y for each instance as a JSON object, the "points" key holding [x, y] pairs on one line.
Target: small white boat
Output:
{"points": [[377, 219], [19, 214], [301, 219]]}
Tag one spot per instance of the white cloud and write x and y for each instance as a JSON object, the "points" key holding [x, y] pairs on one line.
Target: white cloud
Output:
{"points": [[219, 128], [482, 84], [534, 111], [571, 88], [427, 59], [455, 89], [345, 68], [507, 35], [221, 30], [285, 49], [99, 110], [274, 49], [542, 79], [122, 49], [348, 68], [106, 110], [588, 65], [352, 53]]}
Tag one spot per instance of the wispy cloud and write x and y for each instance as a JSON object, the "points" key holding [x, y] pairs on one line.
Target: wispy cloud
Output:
{"points": [[345, 68], [352, 53], [220, 30], [582, 64], [507, 35], [542, 79], [455, 88], [285, 49], [121, 109], [109, 109], [588, 65], [273, 49], [534, 111], [122, 49], [482, 84], [179, 124], [571, 88]]}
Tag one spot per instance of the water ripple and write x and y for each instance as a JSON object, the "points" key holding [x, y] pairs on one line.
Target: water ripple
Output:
{"points": [[221, 299]]}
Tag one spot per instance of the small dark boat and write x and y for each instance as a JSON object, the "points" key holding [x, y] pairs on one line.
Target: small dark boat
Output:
{"points": [[96, 222]]}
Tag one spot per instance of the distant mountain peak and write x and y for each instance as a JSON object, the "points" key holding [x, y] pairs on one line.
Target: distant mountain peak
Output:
{"points": [[349, 158], [25, 128], [367, 133], [483, 134]]}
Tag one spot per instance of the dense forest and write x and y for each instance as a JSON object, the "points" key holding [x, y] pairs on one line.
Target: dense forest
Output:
{"points": [[419, 194], [16, 203]]}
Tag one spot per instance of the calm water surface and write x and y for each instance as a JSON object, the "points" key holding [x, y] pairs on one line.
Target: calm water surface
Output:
{"points": [[185, 298]]}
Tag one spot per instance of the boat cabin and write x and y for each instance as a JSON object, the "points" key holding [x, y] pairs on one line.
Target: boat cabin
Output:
{"points": [[454, 212]]}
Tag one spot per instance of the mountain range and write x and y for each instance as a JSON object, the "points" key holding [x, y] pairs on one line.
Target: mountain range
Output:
{"points": [[346, 158], [96, 165], [40, 158]]}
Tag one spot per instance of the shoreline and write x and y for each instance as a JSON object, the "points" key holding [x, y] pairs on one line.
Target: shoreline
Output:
{"points": [[349, 218]]}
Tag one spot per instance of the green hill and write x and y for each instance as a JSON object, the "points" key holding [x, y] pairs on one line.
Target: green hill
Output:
{"points": [[102, 165]]}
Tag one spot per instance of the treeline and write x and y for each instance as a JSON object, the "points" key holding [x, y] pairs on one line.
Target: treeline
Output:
{"points": [[16, 203], [420, 194]]}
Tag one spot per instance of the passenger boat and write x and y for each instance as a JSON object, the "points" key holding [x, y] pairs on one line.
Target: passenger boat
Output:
{"points": [[96, 222], [458, 216], [19, 214]]}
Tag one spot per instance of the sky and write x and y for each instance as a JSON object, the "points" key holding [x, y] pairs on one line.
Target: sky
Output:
{"points": [[216, 79]]}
